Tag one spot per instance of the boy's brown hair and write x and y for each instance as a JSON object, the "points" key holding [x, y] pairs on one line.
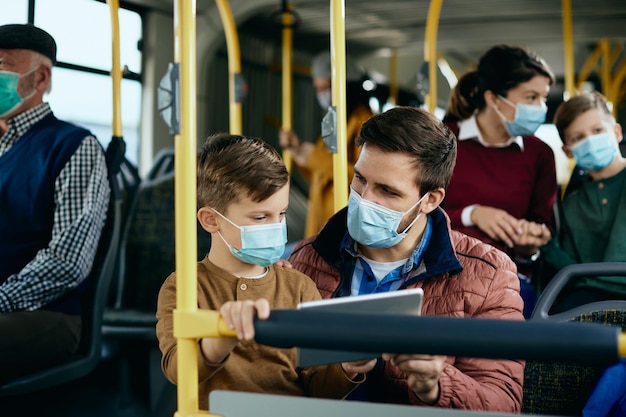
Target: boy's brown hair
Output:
{"points": [[231, 167], [569, 110]]}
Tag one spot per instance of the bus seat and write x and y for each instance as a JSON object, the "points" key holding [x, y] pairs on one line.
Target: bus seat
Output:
{"points": [[296, 214], [128, 181], [148, 252], [562, 388], [88, 353], [163, 164]]}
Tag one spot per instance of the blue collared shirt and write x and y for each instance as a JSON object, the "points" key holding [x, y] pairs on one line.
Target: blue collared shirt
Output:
{"points": [[363, 279]]}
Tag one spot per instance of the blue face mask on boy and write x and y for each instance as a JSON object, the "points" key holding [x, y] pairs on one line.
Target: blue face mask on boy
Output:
{"points": [[9, 97], [261, 244], [527, 119], [374, 225], [595, 152]]}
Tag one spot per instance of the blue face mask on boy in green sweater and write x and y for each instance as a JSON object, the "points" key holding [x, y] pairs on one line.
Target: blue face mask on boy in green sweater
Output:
{"points": [[595, 152]]}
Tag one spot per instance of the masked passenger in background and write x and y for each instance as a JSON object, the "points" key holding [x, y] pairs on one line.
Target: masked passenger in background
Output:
{"points": [[314, 159], [504, 184]]}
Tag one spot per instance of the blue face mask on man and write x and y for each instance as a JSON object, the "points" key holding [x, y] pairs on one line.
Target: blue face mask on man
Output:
{"points": [[9, 97], [261, 244], [595, 152], [374, 225], [528, 118]]}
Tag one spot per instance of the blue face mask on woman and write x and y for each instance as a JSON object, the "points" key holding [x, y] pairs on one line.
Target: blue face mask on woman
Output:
{"points": [[595, 152], [261, 244], [374, 225], [528, 118], [9, 98]]}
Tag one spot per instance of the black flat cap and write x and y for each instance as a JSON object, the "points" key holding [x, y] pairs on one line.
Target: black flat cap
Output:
{"points": [[28, 37]]}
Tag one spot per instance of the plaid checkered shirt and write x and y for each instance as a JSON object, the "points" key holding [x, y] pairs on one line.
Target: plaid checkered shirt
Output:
{"points": [[81, 195]]}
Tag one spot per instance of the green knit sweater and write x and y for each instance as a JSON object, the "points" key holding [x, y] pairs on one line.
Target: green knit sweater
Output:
{"points": [[593, 230]]}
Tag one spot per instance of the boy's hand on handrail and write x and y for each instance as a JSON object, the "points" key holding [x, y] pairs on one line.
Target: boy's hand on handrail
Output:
{"points": [[238, 316]]}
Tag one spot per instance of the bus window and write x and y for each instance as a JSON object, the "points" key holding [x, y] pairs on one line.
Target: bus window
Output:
{"points": [[81, 86], [90, 104], [15, 11], [87, 41]]}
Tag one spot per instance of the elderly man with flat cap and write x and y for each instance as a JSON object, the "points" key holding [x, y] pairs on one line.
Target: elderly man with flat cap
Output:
{"points": [[314, 159], [54, 196]]}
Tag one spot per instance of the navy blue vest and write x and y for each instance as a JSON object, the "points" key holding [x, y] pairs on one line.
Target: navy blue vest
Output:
{"points": [[27, 175]]}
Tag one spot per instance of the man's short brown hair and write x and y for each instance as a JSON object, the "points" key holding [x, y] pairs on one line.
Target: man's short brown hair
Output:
{"points": [[420, 134]]}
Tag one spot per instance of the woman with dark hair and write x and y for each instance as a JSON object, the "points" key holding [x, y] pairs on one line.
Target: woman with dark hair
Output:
{"points": [[504, 183]]}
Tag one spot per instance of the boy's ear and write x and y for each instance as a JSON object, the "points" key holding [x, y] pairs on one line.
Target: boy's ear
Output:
{"points": [[207, 219]]}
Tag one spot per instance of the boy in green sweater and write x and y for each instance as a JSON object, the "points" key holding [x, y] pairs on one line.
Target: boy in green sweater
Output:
{"points": [[593, 224]]}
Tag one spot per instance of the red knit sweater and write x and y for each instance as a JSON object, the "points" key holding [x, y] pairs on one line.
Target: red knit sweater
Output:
{"points": [[521, 182]]}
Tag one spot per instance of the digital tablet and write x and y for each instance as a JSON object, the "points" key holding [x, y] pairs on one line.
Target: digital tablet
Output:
{"points": [[401, 302]]}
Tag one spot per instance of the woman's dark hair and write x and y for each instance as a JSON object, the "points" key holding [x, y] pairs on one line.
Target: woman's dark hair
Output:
{"points": [[500, 69]]}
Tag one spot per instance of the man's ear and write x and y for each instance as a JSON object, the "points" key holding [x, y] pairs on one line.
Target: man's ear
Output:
{"points": [[42, 78], [207, 219], [433, 200]]}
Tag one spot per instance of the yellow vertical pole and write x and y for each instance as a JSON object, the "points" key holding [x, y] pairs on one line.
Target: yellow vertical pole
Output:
{"points": [[116, 67], [393, 77], [185, 204], [566, 12], [615, 80], [234, 64], [616, 52], [617, 83], [590, 63], [566, 6], [430, 52], [287, 77], [605, 68], [338, 83]]}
